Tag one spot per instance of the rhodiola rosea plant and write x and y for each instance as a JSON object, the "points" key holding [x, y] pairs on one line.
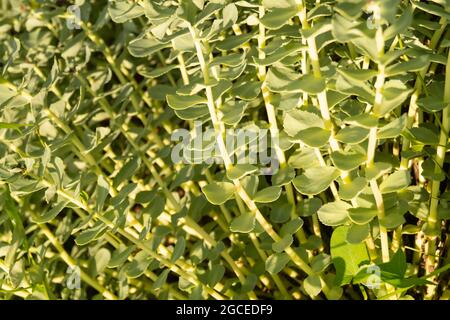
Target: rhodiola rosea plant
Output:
{"points": [[351, 97]]}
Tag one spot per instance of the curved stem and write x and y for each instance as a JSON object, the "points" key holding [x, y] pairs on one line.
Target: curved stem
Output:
{"points": [[412, 110], [433, 219], [273, 127], [72, 263], [228, 165]]}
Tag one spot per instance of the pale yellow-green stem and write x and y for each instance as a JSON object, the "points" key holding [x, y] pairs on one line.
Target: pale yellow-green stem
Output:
{"points": [[271, 116], [116, 242], [440, 151], [72, 263], [190, 223], [134, 240], [324, 109], [372, 144], [228, 165], [138, 243], [123, 80], [262, 254], [21, 293], [321, 96], [433, 219], [412, 110]]}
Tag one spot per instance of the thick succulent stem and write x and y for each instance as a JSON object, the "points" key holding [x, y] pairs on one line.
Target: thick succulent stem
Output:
{"points": [[218, 127], [433, 221], [273, 126]]}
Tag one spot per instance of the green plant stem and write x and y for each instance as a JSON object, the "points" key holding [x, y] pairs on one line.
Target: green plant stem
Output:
{"points": [[372, 144], [80, 148], [314, 60], [378, 198], [433, 220], [190, 223], [321, 96], [123, 80], [441, 149], [323, 104], [276, 278], [116, 242], [121, 231], [21, 293], [72, 263], [227, 216], [412, 110], [261, 253], [273, 127], [138, 243], [218, 127]]}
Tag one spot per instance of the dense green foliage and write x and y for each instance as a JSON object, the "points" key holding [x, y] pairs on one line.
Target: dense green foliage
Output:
{"points": [[356, 92]]}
